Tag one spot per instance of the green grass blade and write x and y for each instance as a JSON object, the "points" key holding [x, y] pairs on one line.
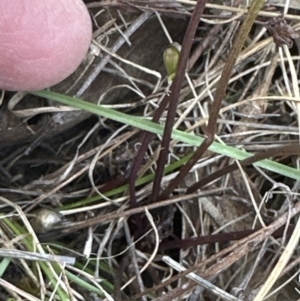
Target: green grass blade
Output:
{"points": [[143, 124]]}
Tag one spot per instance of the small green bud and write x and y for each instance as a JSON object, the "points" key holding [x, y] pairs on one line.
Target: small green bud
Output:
{"points": [[171, 58]]}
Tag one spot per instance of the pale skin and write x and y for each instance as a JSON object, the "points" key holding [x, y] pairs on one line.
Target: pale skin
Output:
{"points": [[41, 42]]}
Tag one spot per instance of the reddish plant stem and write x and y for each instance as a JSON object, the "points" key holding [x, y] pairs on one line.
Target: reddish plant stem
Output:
{"points": [[219, 95], [291, 149], [216, 238], [174, 95], [226, 257], [146, 137]]}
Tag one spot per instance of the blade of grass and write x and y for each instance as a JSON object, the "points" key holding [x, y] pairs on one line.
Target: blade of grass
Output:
{"points": [[28, 242], [141, 181], [152, 127], [3, 265]]}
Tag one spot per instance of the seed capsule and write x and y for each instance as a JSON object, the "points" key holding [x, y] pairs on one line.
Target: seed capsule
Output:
{"points": [[45, 220], [171, 58]]}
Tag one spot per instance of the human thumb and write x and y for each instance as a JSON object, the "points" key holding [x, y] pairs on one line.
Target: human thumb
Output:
{"points": [[41, 41]]}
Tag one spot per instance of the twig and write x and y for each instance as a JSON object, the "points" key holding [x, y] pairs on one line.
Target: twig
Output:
{"points": [[36, 256], [132, 28], [211, 287]]}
